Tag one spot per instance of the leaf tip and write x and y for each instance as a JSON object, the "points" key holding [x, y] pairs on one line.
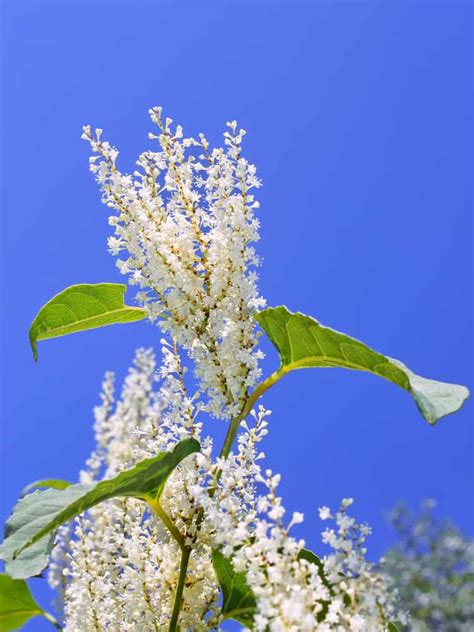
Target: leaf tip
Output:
{"points": [[34, 348]]}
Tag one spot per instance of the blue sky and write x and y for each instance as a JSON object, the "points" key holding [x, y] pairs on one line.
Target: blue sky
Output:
{"points": [[359, 118]]}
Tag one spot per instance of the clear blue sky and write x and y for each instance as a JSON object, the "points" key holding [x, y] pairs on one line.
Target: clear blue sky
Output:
{"points": [[359, 117]]}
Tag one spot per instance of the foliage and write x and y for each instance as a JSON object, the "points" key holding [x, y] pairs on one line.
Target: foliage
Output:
{"points": [[238, 600], [17, 605], [304, 343], [52, 483], [29, 533], [82, 307]]}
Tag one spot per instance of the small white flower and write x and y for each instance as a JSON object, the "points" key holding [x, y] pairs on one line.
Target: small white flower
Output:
{"points": [[324, 513]]}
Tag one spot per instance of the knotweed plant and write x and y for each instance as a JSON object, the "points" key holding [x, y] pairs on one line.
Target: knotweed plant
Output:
{"points": [[166, 530]]}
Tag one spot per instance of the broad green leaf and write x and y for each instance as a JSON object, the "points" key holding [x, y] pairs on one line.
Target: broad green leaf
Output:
{"points": [[52, 483], [391, 627], [29, 533], [82, 307], [17, 605], [238, 600], [303, 342]]}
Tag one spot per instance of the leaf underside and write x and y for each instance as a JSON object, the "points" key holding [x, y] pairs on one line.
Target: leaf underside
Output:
{"points": [[17, 605], [81, 307], [29, 533], [303, 342]]}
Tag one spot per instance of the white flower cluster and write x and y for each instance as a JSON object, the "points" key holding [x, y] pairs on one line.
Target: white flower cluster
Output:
{"points": [[186, 223], [432, 566], [370, 599], [294, 590], [117, 566]]}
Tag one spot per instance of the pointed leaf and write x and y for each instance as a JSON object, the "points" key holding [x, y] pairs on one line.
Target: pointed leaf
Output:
{"points": [[17, 605], [303, 342], [29, 533], [238, 600], [81, 307]]}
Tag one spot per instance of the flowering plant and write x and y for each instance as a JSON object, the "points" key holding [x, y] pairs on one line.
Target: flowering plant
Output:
{"points": [[164, 531]]}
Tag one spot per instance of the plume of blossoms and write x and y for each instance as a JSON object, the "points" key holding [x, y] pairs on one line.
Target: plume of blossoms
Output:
{"points": [[184, 224], [245, 518], [370, 597], [432, 565], [184, 227], [117, 566]]}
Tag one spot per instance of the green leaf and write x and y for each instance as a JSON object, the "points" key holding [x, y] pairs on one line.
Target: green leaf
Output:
{"points": [[16, 604], [238, 600], [303, 343], [54, 483], [82, 307], [391, 627], [312, 558], [29, 533]]}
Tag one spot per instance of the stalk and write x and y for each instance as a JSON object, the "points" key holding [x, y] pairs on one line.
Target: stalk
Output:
{"points": [[49, 617], [185, 555], [224, 453], [161, 513], [249, 404]]}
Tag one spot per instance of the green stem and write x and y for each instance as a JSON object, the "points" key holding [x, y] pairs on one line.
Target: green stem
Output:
{"points": [[49, 617], [249, 404], [179, 589], [158, 510], [224, 453]]}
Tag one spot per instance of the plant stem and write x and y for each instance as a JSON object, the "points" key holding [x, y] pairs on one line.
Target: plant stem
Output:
{"points": [[186, 552], [224, 453], [158, 510], [161, 513], [49, 617], [249, 404]]}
